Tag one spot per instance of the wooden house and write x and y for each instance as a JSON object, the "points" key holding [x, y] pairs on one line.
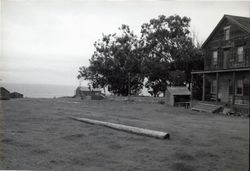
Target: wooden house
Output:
{"points": [[4, 94], [226, 75]]}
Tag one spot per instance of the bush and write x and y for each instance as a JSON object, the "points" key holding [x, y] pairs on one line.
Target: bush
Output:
{"points": [[161, 102]]}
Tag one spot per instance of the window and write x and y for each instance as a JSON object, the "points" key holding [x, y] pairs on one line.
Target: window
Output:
{"points": [[227, 32], [213, 86], [239, 87], [215, 58], [240, 52]]}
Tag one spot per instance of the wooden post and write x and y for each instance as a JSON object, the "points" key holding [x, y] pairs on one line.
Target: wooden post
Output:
{"points": [[233, 100], [129, 84], [217, 86], [203, 87], [191, 88]]}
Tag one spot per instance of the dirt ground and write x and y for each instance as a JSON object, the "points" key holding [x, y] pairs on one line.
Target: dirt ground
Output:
{"points": [[37, 134]]}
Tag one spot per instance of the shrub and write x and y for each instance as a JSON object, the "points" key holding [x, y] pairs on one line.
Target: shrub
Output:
{"points": [[161, 102]]}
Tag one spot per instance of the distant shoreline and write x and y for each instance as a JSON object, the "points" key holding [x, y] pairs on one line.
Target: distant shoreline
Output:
{"points": [[41, 90]]}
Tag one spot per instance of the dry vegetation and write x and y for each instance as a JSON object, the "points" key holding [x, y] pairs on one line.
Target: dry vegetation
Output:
{"points": [[37, 134]]}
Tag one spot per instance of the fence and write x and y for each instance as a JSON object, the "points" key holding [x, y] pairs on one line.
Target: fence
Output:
{"points": [[145, 99]]}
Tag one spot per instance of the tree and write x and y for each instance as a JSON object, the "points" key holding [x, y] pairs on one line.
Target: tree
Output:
{"points": [[165, 54], [177, 78], [116, 63], [189, 58], [167, 47]]}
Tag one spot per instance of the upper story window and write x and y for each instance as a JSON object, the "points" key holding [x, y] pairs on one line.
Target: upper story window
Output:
{"points": [[215, 58], [240, 54], [227, 32]]}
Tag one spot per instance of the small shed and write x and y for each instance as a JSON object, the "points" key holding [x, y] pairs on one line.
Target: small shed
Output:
{"points": [[14, 95], [178, 96], [4, 94], [83, 92]]}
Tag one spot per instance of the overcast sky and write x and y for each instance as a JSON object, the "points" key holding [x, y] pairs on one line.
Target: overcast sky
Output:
{"points": [[46, 41]]}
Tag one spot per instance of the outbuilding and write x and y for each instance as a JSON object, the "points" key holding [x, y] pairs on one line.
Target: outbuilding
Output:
{"points": [[14, 95], [4, 94], [178, 96], [85, 92]]}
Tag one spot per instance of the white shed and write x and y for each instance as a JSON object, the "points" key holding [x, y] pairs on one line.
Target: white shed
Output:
{"points": [[178, 96]]}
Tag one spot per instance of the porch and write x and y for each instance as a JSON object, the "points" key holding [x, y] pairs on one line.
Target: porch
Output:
{"points": [[229, 88]]}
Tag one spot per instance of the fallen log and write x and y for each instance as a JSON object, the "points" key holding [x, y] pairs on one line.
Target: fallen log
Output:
{"points": [[131, 129]]}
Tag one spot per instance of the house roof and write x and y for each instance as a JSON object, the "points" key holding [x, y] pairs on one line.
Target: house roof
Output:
{"points": [[3, 89], [16, 93], [87, 89], [179, 91], [242, 22], [84, 88]]}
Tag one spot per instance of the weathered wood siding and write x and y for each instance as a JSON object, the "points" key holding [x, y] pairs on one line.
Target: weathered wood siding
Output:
{"points": [[217, 42], [244, 99], [225, 90], [224, 82]]}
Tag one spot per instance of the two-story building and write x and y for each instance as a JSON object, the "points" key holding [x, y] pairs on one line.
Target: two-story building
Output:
{"points": [[226, 75]]}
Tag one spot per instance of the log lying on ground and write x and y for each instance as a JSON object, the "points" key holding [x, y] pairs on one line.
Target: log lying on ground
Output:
{"points": [[136, 130]]}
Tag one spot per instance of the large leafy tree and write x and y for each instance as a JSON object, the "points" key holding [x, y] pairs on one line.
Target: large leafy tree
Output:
{"points": [[165, 55], [168, 51], [116, 63], [188, 58]]}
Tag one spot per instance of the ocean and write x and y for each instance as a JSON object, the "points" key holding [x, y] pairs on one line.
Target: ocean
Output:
{"points": [[41, 90], [47, 90]]}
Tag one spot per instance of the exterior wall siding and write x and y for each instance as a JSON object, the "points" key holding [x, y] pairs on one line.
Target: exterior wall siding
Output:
{"points": [[146, 99], [225, 89], [232, 71], [237, 38], [224, 83], [243, 99]]}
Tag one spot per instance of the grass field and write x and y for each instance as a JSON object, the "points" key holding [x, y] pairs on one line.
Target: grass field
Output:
{"points": [[37, 134]]}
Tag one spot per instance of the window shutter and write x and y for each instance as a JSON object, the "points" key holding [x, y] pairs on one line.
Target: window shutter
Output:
{"points": [[246, 88], [235, 55], [208, 59], [232, 56], [220, 57], [231, 87], [246, 53]]}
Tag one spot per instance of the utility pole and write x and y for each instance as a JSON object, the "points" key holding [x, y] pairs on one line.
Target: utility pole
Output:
{"points": [[128, 83]]}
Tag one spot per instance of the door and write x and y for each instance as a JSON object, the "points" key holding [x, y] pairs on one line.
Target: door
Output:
{"points": [[225, 58], [224, 89]]}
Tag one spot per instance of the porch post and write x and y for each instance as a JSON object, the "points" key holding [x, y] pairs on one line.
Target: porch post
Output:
{"points": [[233, 100], [217, 86], [203, 87]]}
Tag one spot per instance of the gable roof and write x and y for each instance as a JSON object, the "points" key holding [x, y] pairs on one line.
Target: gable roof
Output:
{"points": [[178, 90], [2, 89], [82, 88], [242, 22]]}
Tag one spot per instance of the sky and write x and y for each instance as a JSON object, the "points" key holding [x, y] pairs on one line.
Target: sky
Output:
{"points": [[46, 41]]}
